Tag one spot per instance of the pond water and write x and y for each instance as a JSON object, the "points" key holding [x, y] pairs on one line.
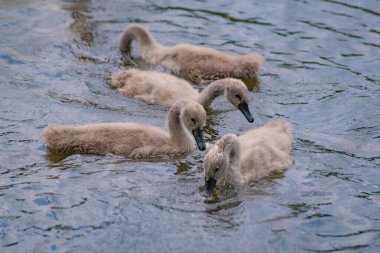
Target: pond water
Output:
{"points": [[322, 73]]}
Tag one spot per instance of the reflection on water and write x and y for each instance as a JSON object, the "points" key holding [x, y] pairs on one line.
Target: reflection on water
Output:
{"points": [[253, 84], [83, 24], [321, 74]]}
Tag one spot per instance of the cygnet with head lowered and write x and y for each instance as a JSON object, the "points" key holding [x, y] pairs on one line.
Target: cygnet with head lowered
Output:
{"points": [[190, 62], [251, 156], [185, 122]]}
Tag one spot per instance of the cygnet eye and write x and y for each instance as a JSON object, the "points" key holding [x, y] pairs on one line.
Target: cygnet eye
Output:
{"points": [[238, 96], [193, 120], [216, 170]]}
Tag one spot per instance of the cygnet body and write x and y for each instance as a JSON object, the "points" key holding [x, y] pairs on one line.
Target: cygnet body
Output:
{"points": [[191, 62], [164, 89], [185, 118], [251, 156]]}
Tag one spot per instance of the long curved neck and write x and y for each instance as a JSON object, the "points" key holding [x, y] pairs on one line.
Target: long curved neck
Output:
{"points": [[232, 152], [212, 91], [150, 50], [179, 135]]}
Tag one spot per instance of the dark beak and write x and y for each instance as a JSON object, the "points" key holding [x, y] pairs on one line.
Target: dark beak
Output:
{"points": [[198, 136], [243, 107], [209, 186]]}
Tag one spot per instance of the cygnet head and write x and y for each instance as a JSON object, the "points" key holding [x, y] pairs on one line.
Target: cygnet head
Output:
{"points": [[194, 119], [218, 161], [237, 94]]}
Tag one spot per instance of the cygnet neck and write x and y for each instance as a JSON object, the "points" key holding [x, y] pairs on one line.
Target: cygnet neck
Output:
{"points": [[213, 90], [179, 135], [232, 153], [150, 50]]}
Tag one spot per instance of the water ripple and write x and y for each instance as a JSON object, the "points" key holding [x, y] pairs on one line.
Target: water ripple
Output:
{"points": [[321, 149], [350, 234], [218, 14], [369, 11], [343, 248], [329, 28], [321, 74], [60, 227]]}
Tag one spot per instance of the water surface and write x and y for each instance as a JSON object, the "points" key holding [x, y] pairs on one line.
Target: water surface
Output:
{"points": [[321, 74]]}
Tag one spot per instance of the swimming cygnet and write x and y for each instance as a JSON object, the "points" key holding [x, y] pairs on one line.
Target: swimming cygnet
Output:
{"points": [[164, 89], [254, 155], [191, 62], [134, 140]]}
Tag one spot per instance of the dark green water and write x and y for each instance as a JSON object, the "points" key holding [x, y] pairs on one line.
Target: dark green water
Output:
{"points": [[322, 73]]}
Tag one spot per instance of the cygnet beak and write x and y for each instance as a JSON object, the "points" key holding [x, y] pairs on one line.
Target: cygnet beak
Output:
{"points": [[198, 136], [209, 186], [243, 107]]}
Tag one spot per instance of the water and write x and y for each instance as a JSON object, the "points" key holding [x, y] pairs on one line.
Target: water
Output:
{"points": [[321, 74]]}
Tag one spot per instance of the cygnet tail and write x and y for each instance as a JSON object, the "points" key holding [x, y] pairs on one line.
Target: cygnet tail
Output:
{"points": [[283, 125], [247, 66], [138, 33], [253, 60]]}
